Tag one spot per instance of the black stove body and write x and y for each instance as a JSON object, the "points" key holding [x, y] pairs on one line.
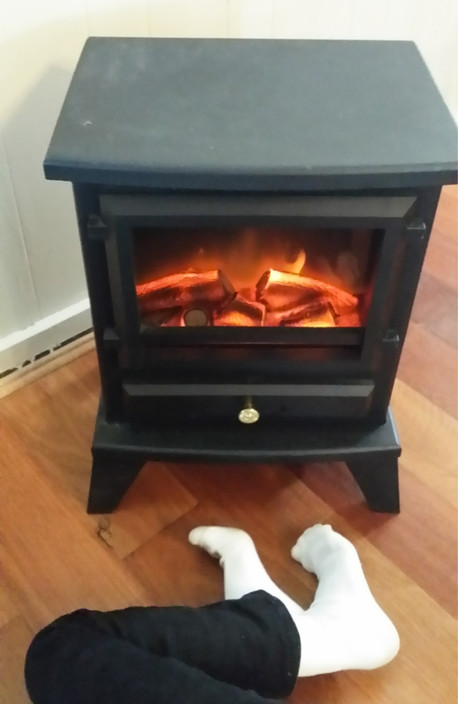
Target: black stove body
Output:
{"points": [[253, 217]]}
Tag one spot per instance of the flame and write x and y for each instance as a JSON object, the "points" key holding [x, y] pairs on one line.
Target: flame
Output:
{"points": [[246, 283], [245, 256]]}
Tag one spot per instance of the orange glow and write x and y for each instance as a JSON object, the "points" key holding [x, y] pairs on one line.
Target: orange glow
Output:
{"points": [[193, 298], [254, 278]]}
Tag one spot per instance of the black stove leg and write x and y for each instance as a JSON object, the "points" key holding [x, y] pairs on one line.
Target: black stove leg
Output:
{"points": [[110, 479], [377, 477]]}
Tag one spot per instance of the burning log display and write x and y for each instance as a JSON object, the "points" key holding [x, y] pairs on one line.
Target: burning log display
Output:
{"points": [[279, 298]]}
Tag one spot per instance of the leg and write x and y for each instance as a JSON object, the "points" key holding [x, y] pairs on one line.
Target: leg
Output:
{"points": [[163, 655], [111, 477], [378, 480], [243, 569], [344, 629]]}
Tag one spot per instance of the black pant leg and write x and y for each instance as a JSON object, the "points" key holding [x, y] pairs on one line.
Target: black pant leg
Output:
{"points": [[249, 643], [73, 662]]}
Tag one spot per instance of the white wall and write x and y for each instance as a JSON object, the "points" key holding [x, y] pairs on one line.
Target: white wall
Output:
{"points": [[43, 296]]}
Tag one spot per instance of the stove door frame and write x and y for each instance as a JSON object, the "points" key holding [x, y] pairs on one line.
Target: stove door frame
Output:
{"points": [[121, 212], [355, 355]]}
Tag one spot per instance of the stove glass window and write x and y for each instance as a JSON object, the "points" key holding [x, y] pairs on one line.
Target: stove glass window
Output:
{"points": [[254, 276]]}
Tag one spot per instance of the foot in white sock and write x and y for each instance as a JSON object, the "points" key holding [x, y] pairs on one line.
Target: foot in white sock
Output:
{"points": [[243, 569], [344, 628]]}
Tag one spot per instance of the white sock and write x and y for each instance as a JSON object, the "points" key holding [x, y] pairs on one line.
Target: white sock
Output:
{"points": [[344, 628], [243, 569]]}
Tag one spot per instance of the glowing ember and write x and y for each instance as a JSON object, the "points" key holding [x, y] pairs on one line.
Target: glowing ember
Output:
{"points": [[242, 312], [323, 319], [280, 298]]}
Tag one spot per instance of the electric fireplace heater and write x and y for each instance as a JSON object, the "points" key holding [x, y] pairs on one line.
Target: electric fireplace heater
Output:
{"points": [[253, 217]]}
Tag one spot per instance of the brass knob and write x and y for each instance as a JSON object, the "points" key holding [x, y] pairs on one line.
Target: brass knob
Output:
{"points": [[248, 414]]}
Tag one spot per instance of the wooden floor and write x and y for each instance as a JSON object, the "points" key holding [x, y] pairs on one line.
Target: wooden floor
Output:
{"points": [[56, 558]]}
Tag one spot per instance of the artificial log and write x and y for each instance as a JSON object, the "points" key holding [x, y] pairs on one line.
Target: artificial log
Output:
{"points": [[241, 312], [325, 319], [350, 320], [312, 310], [185, 290], [175, 321], [170, 317], [281, 291]]}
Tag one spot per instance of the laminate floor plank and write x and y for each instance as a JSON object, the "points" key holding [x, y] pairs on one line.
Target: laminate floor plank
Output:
{"points": [[50, 554], [429, 366], [54, 418], [155, 500], [428, 438], [15, 637], [436, 308]]}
